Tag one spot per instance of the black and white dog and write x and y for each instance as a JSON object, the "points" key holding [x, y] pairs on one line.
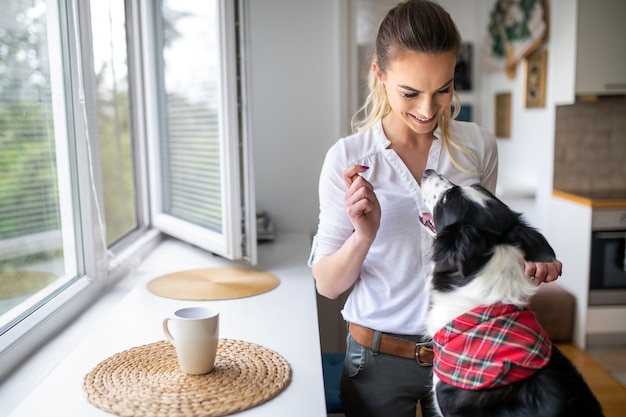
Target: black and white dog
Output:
{"points": [[492, 358]]}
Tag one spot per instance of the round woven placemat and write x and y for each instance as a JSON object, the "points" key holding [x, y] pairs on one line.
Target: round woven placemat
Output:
{"points": [[213, 283], [147, 381]]}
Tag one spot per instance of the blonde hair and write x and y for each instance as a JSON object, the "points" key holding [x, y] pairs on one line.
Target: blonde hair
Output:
{"points": [[414, 25]]}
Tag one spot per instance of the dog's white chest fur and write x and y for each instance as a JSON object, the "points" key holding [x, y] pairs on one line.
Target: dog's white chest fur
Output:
{"points": [[502, 280]]}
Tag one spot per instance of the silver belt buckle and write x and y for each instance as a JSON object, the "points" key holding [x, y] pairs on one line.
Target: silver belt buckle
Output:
{"points": [[417, 354]]}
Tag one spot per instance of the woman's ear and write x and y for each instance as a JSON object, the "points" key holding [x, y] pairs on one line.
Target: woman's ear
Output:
{"points": [[377, 72]]}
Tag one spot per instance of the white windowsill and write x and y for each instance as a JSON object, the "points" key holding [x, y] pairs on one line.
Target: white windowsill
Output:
{"points": [[288, 324]]}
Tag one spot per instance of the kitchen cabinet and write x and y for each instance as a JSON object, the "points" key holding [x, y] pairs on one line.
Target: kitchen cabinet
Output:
{"points": [[574, 216], [601, 56], [569, 233]]}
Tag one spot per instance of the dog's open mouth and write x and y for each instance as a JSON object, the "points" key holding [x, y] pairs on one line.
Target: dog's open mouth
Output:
{"points": [[427, 221]]}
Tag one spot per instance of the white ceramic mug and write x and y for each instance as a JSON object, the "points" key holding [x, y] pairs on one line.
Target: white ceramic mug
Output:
{"points": [[194, 334]]}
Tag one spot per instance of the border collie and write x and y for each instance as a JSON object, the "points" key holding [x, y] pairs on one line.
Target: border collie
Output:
{"points": [[492, 358]]}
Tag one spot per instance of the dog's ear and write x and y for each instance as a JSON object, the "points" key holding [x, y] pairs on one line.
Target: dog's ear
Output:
{"points": [[534, 245], [460, 250]]}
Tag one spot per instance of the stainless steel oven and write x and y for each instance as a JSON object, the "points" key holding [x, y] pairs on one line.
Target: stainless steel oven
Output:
{"points": [[607, 273]]}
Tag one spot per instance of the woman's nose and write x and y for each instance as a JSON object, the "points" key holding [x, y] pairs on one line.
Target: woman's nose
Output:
{"points": [[427, 108]]}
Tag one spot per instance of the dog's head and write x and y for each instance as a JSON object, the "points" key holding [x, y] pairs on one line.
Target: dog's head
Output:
{"points": [[468, 222]]}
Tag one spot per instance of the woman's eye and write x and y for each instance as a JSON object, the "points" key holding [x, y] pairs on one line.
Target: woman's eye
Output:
{"points": [[445, 90], [409, 95]]}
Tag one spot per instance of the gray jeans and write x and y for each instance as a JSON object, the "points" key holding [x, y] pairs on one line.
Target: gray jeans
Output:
{"points": [[376, 384]]}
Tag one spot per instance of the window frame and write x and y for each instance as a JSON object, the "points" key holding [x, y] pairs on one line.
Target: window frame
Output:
{"points": [[237, 240], [100, 266], [47, 317]]}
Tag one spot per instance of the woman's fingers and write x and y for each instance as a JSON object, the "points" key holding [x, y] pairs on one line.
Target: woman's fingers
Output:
{"points": [[361, 203], [350, 174], [543, 271], [359, 189], [360, 197], [360, 194]]}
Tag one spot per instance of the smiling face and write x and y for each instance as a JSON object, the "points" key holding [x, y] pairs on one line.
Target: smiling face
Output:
{"points": [[419, 88]]}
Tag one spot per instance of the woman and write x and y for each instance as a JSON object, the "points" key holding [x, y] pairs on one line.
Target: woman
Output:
{"points": [[369, 237]]}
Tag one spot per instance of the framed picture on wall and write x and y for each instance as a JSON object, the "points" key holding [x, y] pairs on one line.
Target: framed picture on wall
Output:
{"points": [[514, 30], [503, 115], [536, 67]]}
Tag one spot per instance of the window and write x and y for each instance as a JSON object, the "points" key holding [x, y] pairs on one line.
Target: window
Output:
{"points": [[198, 113], [107, 138], [114, 129]]}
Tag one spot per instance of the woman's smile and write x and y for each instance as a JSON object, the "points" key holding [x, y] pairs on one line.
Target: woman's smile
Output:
{"points": [[421, 120], [419, 88]]}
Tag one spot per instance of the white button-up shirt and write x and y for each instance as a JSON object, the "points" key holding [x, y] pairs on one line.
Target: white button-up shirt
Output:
{"points": [[391, 293]]}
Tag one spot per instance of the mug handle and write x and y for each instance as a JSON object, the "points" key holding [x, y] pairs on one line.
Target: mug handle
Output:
{"points": [[166, 330]]}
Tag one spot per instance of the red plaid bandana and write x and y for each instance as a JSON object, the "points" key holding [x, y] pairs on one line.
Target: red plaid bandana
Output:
{"points": [[490, 346]]}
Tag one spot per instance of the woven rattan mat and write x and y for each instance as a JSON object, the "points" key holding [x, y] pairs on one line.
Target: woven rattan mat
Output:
{"points": [[147, 381], [213, 283]]}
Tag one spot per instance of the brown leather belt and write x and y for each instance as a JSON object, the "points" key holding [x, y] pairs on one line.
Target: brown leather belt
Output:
{"points": [[422, 353]]}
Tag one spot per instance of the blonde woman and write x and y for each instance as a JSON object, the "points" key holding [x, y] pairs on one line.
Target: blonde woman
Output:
{"points": [[369, 238]]}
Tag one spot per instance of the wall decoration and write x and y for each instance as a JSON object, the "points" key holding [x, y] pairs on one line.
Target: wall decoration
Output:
{"points": [[463, 69], [465, 114], [516, 28], [503, 115], [536, 68]]}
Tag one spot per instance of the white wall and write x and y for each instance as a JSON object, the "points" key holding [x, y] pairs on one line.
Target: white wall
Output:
{"points": [[297, 103]]}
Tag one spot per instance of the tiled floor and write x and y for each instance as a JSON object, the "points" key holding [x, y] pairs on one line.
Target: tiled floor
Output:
{"points": [[612, 359]]}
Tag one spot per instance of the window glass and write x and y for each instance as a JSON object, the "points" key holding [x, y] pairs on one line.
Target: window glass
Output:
{"points": [[191, 112], [155, 130], [201, 177], [108, 22], [36, 230]]}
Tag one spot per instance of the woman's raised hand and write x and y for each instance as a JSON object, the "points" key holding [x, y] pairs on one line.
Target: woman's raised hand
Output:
{"points": [[361, 202]]}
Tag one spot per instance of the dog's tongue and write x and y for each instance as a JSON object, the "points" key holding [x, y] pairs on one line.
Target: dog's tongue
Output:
{"points": [[427, 220]]}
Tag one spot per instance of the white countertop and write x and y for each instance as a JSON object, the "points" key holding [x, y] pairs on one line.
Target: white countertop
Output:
{"points": [[284, 319]]}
